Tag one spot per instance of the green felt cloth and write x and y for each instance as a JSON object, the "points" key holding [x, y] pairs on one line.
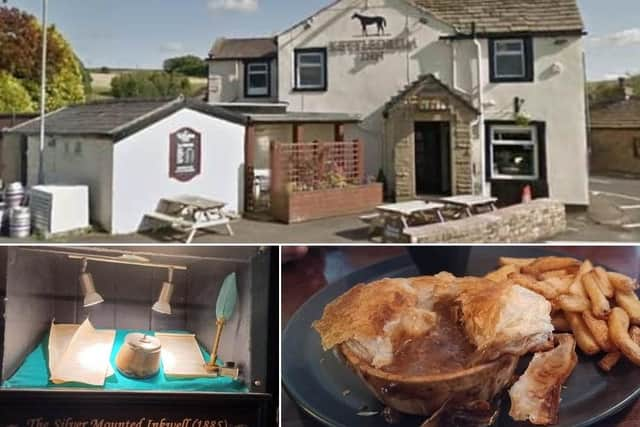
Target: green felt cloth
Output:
{"points": [[34, 373]]}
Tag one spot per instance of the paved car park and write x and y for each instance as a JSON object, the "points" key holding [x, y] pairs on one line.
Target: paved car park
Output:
{"points": [[614, 216]]}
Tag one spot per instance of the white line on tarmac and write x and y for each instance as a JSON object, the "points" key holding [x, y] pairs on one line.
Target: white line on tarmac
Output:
{"points": [[629, 207], [599, 181], [631, 226], [622, 196]]}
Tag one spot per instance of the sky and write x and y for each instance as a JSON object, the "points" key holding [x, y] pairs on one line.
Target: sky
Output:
{"points": [[142, 33]]}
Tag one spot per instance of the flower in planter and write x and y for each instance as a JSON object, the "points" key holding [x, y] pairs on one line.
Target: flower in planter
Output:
{"points": [[522, 119]]}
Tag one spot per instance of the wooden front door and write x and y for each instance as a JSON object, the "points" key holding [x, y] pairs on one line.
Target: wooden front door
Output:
{"points": [[433, 158]]}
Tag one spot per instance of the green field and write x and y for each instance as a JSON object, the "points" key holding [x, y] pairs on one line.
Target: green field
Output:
{"points": [[101, 83]]}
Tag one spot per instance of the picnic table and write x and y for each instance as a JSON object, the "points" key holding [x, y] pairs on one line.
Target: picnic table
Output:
{"points": [[189, 214], [470, 204], [396, 217]]}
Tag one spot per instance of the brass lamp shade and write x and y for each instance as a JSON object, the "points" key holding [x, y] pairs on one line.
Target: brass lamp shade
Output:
{"points": [[91, 297], [163, 305]]}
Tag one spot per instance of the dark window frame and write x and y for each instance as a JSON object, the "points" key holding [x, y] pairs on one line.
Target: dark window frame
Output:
{"points": [[323, 52], [248, 63], [529, 60], [541, 134]]}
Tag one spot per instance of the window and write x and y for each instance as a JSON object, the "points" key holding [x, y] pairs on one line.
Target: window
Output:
{"points": [[311, 69], [258, 79], [514, 153], [511, 60]]}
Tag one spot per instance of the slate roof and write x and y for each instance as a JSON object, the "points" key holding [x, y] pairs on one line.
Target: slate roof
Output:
{"points": [[9, 120], [118, 119], [424, 80], [256, 48], [507, 16], [622, 114], [498, 16]]}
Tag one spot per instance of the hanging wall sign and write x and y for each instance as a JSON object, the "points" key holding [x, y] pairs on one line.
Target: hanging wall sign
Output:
{"points": [[185, 154]]}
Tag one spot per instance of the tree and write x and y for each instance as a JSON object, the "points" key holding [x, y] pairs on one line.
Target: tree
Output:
{"points": [[189, 65], [604, 91], [14, 98], [20, 56], [144, 84]]}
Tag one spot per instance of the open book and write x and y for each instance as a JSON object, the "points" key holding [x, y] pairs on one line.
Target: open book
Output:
{"points": [[80, 353]]}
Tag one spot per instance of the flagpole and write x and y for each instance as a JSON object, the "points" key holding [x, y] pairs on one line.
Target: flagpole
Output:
{"points": [[43, 93]]}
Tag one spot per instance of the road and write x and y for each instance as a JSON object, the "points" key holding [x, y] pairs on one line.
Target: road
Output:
{"points": [[614, 214]]}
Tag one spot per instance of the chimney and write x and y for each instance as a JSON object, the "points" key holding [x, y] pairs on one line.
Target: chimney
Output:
{"points": [[626, 91]]}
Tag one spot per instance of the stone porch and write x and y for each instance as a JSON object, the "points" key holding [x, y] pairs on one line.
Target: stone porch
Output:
{"points": [[428, 100]]}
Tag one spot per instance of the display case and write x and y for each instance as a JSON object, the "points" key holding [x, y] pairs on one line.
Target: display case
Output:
{"points": [[124, 336]]}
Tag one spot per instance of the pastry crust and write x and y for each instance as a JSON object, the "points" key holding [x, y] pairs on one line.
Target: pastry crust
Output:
{"points": [[535, 397], [377, 316], [374, 319], [502, 318]]}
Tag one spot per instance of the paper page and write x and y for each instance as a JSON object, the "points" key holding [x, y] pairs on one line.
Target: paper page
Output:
{"points": [[59, 339], [181, 356], [86, 359]]}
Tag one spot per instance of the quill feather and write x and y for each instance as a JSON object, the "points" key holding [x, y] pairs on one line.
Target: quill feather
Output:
{"points": [[227, 298]]}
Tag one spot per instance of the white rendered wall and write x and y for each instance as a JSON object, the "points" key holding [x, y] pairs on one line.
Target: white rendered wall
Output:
{"points": [[557, 98], [364, 87], [141, 167], [231, 77]]}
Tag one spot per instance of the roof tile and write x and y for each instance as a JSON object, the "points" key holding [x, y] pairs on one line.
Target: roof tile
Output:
{"points": [[617, 114], [255, 48], [520, 15]]}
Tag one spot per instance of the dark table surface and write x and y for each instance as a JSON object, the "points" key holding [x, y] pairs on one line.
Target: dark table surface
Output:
{"points": [[304, 277]]}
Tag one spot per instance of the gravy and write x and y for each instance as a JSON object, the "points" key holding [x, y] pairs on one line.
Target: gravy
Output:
{"points": [[444, 349]]}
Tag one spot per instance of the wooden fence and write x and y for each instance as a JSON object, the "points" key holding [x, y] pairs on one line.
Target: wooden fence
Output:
{"points": [[300, 167]]}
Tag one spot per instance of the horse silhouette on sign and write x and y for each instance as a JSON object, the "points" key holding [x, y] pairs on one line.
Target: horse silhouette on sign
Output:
{"points": [[366, 21]]}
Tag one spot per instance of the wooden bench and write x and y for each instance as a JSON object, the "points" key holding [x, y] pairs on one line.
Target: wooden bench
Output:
{"points": [[375, 223], [187, 226]]}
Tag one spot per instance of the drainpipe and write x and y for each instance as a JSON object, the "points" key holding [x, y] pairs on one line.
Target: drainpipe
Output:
{"points": [[480, 121]]}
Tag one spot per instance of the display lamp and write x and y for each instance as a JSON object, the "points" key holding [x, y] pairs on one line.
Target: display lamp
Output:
{"points": [[163, 305], [91, 296]]}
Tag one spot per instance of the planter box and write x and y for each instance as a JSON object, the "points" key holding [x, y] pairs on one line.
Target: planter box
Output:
{"points": [[309, 205]]}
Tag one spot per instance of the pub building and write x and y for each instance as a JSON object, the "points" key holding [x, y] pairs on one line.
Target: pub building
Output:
{"points": [[133, 153], [450, 97], [143, 336]]}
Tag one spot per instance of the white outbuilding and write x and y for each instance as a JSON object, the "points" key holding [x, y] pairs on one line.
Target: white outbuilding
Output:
{"points": [[131, 154]]}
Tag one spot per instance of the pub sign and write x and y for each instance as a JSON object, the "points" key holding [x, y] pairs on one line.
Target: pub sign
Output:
{"points": [[185, 155]]}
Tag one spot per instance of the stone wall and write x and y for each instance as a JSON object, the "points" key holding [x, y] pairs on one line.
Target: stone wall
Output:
{"points": [[532, 222], [614, 151]]}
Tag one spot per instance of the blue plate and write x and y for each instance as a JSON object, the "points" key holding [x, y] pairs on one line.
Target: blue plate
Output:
{"points": [[332, 394]]}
